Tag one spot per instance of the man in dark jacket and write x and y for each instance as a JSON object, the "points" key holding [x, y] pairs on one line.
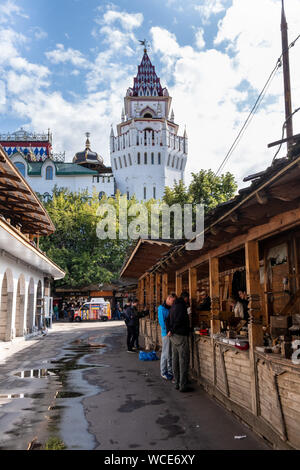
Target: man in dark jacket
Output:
{"points": [[131, 321], [178, 327]]}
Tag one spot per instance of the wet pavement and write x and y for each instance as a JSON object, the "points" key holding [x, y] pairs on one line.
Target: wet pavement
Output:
{"points": [[79, 383]]}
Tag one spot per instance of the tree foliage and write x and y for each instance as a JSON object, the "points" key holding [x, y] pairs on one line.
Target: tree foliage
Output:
{"points": [[205, 188]]}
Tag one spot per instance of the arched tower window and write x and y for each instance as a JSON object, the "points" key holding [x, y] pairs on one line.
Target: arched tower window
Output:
{"points": [[145, 192], [129, 158], [154, 192], [120, 162], [21, 167], [116, 166], [125, 162], [159, 159], [49, 173], [139, 158], [145, 158], [152, 158], [169, 159]]}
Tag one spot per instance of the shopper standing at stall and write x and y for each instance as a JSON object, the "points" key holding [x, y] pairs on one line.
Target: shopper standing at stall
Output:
{"points": [[166, 352], [178, 327]]}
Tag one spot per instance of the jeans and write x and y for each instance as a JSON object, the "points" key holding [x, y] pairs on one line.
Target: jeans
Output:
{"points": [[180, 359], [166, 356]]}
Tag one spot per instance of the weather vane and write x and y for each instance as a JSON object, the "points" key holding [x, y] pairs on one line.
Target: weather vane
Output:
{"points": [[144, 43]]}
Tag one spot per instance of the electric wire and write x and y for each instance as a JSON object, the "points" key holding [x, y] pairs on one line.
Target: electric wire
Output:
{"points": [[255, 107]]}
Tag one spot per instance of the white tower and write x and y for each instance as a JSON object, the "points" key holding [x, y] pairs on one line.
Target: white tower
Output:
{"points": [[147, 154]]}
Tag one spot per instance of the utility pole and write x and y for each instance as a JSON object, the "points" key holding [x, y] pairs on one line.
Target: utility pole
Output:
{"points": [[286, 77]]}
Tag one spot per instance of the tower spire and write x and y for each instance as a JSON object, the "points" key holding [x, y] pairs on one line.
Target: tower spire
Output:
{"points": [[286, 75]]}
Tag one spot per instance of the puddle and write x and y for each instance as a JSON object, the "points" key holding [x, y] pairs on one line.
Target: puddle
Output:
{"points": [[42, 373], [57, 403]]}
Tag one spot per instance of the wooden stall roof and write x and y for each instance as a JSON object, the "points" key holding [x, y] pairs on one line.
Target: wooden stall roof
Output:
{"points": [[143, 255], [19, 203], [257, 207]]}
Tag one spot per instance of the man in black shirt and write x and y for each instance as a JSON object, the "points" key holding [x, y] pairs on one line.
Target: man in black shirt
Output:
{"points": [[178, 328]]}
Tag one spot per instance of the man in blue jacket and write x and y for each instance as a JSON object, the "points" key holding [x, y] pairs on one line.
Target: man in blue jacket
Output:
{"points": [[166, 353]]}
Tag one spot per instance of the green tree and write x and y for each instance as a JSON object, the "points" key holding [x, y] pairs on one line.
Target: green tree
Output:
{"points": [[75, 246], [205, 188]]}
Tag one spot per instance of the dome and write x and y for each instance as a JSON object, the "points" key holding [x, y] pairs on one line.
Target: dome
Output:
{"points": [[87, 156]]}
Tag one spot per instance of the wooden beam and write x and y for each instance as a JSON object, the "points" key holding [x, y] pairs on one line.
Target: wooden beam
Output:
{"points": [[275, 225], [158, 289], [165, 286], [193, 292], [214, 289], [255, 331], [178, 284]]}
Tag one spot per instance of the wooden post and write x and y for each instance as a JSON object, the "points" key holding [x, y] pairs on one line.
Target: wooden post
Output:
{"points": [[214, 289], [255, 321], [147, 288], [165, 286], [193, 288], [178, 284], [158, 290], [151, 296], [193, 299]]}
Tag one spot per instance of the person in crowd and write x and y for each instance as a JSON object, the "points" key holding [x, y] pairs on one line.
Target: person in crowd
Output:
{"points": [[117, 312], [178, 328], [243, 298], [130, 321], [205, 301], [65, 312], [166, 352], [237, 308], [56, 312], [71, 312]]}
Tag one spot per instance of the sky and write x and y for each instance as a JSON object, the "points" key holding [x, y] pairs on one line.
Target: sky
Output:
{"points": [[66, 65]]}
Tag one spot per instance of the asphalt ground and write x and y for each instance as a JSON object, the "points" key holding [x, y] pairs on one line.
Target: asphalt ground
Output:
{"points": [[79, 384]]}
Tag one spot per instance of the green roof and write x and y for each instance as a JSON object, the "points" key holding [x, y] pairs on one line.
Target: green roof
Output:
{"points": [[62, 169], [34, 168], [73, 169]]}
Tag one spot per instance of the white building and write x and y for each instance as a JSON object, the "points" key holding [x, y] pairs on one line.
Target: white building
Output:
{"points": [[32, 155], [25, 271], [147, 153]]}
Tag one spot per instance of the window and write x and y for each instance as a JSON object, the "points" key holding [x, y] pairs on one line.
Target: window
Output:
{"points": [[127, 194], [49, 173], [173, 161], [177, 163], [181, 164], [159, 159], [169, 160], [125, 163], [152, 158], [120, 162], [116, 166], [145, 192], [147, 115], [129, 157], [21, 167], [154, 192], [139, 158], [145, 158]]}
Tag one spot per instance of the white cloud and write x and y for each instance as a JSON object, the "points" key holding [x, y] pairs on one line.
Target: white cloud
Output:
{"points": [[210, 7], [9, 10], [213, 91], [128, 21], [62, 55], [199, 37]]}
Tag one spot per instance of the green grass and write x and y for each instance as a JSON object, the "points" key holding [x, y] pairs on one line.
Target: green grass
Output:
{"points": [[54, 443]]}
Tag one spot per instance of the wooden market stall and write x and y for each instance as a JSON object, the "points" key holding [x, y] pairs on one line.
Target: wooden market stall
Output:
{"points": [[251, 244]]}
